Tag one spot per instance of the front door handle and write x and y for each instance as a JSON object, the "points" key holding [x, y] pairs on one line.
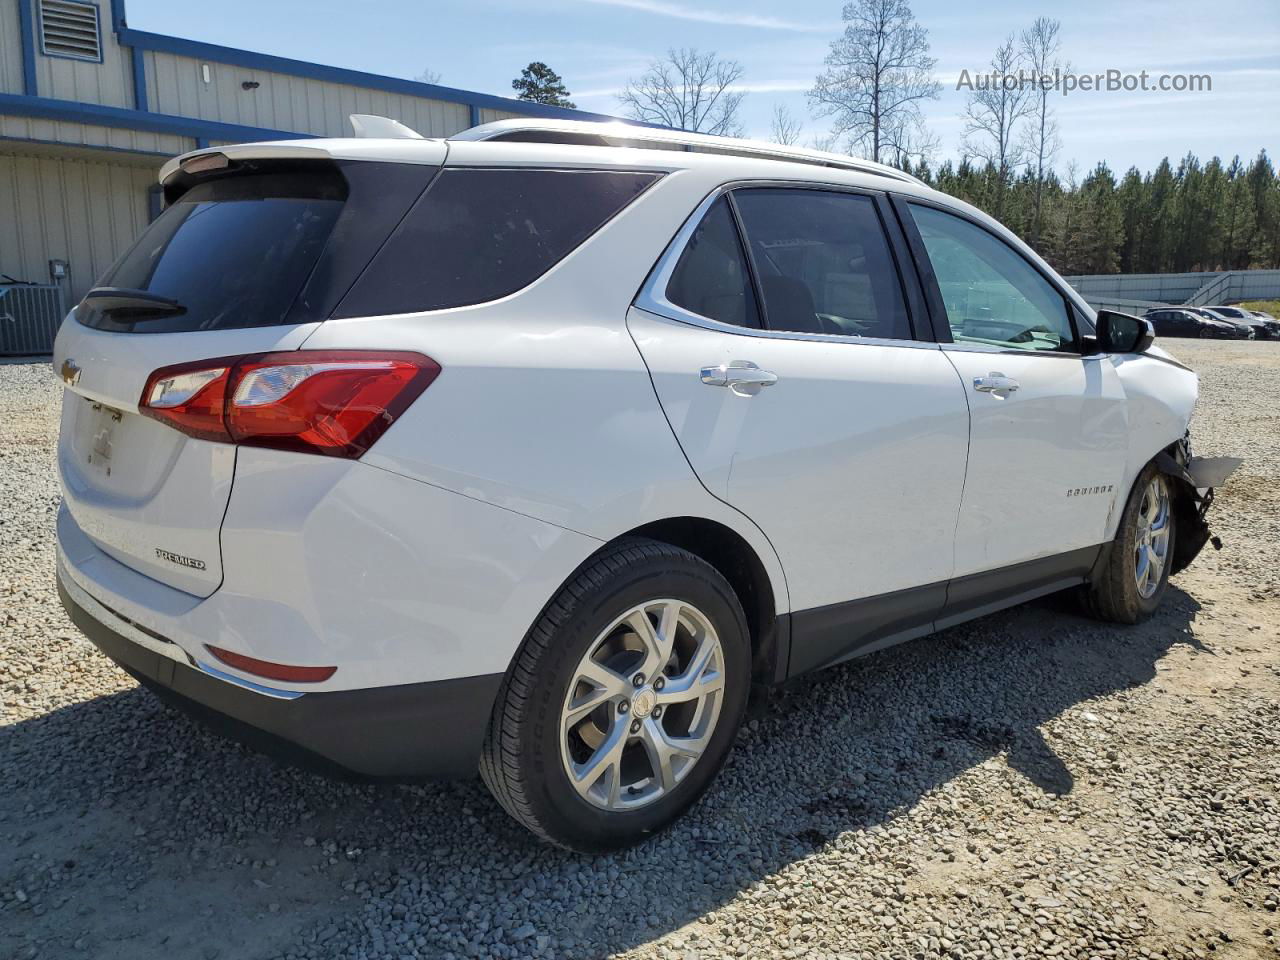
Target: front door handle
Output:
{"points": [[995, 383], [742, 377]]}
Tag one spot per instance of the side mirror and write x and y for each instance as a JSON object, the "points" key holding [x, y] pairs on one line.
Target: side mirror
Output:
{"points": [[1122, 333]]}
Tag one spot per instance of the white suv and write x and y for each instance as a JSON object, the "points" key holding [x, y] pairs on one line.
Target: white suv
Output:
{"points": [[531, 451]]}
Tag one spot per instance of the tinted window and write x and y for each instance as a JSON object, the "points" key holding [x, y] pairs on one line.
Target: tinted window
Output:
{"points": [[711, 278], [234, 252], [477, 235], [992, 295], [824, 263]]}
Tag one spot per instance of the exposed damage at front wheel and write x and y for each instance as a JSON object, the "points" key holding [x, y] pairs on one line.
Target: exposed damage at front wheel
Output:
{"points": [[1194, 480]]}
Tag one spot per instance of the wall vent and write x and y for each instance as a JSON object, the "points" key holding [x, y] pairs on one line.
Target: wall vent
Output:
{"points": [[70, 29]]}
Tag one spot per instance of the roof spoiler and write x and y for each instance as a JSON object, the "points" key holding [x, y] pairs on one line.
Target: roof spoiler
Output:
{"points": [[373, 127]]}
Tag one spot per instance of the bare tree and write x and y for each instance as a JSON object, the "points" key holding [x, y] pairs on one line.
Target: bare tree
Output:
{"points": [[878, 72], [996, 105], [826, 143], [786, 127], [428, 76], [688, 90], [908, 142], [1040, 48]]}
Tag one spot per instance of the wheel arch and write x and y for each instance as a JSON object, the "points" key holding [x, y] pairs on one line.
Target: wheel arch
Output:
{"points": [[740, 564]]}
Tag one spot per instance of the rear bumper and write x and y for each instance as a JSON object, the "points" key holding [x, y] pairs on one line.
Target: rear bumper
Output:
{"points": [[406, 732]]}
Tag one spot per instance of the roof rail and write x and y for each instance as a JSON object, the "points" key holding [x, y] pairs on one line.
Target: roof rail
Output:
{"points": [[622, 134]]}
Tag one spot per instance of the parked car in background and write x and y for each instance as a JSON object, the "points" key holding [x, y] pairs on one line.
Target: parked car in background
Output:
{"points": [[1273, 325], [1245, 331], [1239, 315], [530, 451], [1187, 323]]}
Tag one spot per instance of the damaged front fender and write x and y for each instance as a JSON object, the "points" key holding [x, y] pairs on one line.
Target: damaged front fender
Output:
{"points": [[1194, 480]]}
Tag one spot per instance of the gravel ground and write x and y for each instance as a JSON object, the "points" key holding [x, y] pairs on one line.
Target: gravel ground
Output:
{"points": [[1031, 784]]}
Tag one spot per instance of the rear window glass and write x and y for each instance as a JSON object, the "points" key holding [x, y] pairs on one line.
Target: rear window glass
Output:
{"points": [[233, 253], [477, 235]]}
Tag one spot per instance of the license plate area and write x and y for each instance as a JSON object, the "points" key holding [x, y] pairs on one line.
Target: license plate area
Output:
{"points": [[102, 426]]}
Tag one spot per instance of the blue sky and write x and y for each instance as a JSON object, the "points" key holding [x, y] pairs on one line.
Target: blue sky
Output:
{"points": [[596, 45]]}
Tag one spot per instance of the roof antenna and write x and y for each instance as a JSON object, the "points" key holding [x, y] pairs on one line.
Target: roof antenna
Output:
{"points": [[367, 125]]}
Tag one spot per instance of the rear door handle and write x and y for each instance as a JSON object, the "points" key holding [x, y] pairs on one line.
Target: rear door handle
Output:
{"points": [[995, 383], [742, 377]]}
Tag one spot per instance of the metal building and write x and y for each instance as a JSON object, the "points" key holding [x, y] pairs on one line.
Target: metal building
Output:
{"points": [[90, 108]]}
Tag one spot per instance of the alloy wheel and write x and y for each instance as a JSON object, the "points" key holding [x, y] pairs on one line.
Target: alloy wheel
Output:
{"points": [[642, 705], [1151, 545]]}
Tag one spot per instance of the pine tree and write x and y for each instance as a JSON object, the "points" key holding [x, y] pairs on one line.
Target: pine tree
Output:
{"points": [[1132, 194], [1264, 191], [1238, 219], [1099, 224], [1161, 201], [540, 84]]}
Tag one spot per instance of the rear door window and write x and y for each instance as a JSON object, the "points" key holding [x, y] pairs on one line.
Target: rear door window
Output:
{"points": [[233, 253], [824, 263], [480, 234]]}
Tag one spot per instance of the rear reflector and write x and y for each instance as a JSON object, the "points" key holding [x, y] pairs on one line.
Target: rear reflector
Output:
{"points": [[272, 671], [331, 402]]}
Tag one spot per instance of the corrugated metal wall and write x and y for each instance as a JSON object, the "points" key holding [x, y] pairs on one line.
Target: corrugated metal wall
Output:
{"points": [[80, 210], [1194, 288], [109, 82], [175, 85], [489, 116], [1165, 287], [10, 48]]}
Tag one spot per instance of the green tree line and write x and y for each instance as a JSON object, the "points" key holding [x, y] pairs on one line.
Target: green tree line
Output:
{"points": [[1195, 216]]}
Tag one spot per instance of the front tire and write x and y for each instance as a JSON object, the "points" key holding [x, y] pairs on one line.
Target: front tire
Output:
{"points": [[623, 701], [1136, 574]]}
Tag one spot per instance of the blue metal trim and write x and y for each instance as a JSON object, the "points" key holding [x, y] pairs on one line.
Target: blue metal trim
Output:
{"points": [[68, 56], [117, 15], [140, 39], [139, 79], [202, 143], [96, 113], [27, 26], [475, 115]]}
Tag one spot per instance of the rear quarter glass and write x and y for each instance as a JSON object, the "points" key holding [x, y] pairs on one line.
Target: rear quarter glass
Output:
{"points": [[481, 234]]}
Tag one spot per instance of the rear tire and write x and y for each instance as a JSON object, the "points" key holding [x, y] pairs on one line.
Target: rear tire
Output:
{"points": [[593, 737], [1135, 576]]}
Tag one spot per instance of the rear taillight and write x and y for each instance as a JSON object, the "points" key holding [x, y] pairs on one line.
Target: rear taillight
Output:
{"points": [[333, 402]]}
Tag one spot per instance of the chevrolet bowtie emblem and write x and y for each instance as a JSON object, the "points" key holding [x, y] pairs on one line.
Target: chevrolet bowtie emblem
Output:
{"points": [[70, 372]]}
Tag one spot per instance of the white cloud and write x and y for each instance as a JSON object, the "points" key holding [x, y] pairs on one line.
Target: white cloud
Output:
{"points": [[683, 11]]}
